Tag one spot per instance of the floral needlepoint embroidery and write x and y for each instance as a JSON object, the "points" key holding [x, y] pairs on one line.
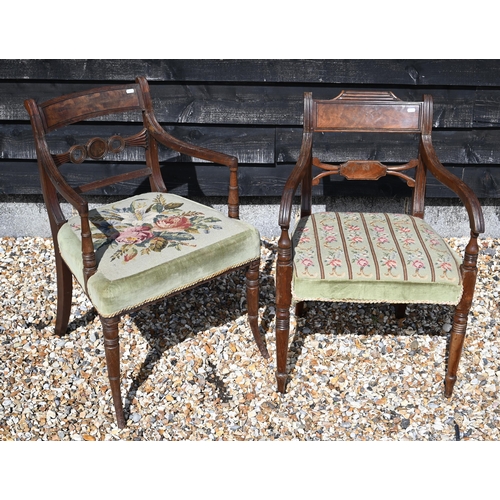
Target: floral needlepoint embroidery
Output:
{"points": [[418, 265], [334, 262], [408, 242], [307, 263], [389, 261], [361, 260], [445, 265], [328, 234], [144, 227]]}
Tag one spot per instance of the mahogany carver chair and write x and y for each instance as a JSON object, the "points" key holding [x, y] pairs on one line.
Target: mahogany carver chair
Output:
{"points": [[143, 248], [371, 257]]}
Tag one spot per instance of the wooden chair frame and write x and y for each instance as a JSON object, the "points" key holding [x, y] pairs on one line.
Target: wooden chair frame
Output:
{"points": [[354, 111], [68, 109]]}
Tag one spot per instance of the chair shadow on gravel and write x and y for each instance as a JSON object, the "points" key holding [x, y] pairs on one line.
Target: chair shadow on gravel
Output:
{"points": [[314, 322], [186, 315]]}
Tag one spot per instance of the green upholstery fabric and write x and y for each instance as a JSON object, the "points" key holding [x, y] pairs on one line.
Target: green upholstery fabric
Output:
{"points": [[373, 257], [153, 244]]}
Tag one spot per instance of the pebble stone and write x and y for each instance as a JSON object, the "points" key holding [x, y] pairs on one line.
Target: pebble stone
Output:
{"points": [[191, 371]]}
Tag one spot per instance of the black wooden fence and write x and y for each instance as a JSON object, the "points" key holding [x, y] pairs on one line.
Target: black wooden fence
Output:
{"points": [[253, 109]]}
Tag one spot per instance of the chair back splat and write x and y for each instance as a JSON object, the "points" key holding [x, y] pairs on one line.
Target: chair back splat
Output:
{"points": [[371, 257], [139, 249]]}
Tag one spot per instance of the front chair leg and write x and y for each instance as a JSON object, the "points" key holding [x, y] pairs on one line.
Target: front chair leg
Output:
{"points": [[112, 350], [457, 337], [252, 279], [283, 303]]}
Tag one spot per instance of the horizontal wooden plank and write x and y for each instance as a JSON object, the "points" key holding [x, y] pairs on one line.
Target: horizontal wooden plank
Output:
{"points": [[464, 147], [195, 179], [248, 144], [481, 72], [262, 145], [260, 105]]}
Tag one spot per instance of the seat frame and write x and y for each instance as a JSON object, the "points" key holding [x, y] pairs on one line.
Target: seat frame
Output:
{"points": [[378, 111], [71, 108]]}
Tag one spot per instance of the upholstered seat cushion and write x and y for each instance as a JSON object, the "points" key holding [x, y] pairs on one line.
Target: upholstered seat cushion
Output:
{"points": [[154, 244], [373, 257]]}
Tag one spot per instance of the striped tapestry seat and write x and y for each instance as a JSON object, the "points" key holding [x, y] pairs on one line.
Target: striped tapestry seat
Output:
{"points": [[373, 257]]}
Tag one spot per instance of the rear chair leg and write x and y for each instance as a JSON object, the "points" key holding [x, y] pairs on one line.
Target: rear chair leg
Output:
{"points": [[252, 279], [112, 349], [64, 294], [400, 311]]}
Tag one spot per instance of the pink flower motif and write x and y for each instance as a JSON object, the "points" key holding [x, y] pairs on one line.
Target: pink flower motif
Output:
{"points": [[418, 264], [328, 229], [391, 264], [435, 242], [306, 262], [408, 241], [404, 230], [134, 235], [334, 262], [445, 266], [356, 239], [352, 227], [304, 239], [331, 238], [382, 239], [378, 229], [173, 223], [362, 262], [130, 255]]}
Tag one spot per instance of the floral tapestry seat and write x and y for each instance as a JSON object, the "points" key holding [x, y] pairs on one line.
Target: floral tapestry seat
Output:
{"points": [[400, 257], [155, 244]]}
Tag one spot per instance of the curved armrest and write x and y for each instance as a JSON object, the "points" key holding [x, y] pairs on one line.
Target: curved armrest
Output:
{"points": [[163, 137], [464, 192], [293, 181]]}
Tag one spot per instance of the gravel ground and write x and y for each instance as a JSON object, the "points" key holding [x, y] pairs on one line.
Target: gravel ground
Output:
{"points": [[191, 371]]}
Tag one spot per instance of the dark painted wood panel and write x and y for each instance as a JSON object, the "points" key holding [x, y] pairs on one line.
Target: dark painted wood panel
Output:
{"points": [[260, 105], [464, 146], [253, 109], [249, 145], [413, 72], [262, 145], [195, 179]]}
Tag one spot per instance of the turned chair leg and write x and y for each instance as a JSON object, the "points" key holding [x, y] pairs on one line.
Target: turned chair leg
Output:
{"points": [[455, 352], [283, 303], [252, 281], [457, 337], [458, 330], [282, 335], [112, 350], [64, 295]]}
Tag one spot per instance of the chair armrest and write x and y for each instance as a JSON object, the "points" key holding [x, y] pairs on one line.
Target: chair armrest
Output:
{"points": [[163, 137], [294, 180], [464, 192]]}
